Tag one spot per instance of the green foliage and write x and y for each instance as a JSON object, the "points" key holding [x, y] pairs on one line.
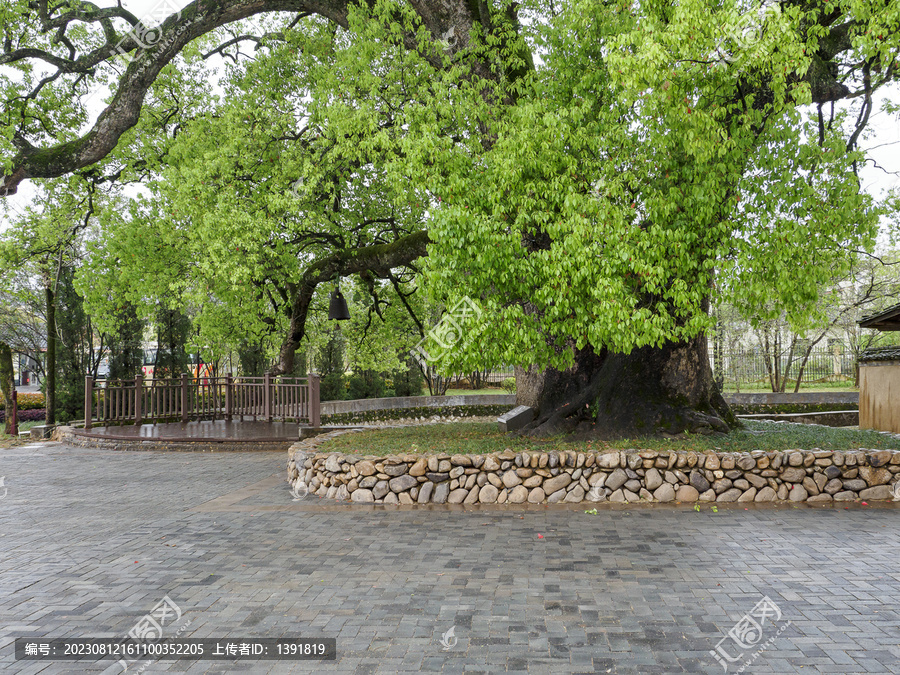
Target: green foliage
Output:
{"points": [[373, 384], [29, 401], [246, 198], [330, 366], [172, 331], [658, 156], [76, 355], [330, 358], [332, 387], [125, 344], [509, 385], [634, 167], [408, 381], [366, 384], [300, 369], [253, 359]]}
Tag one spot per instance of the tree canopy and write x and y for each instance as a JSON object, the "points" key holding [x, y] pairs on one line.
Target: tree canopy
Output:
{"points": [[592, 174]]}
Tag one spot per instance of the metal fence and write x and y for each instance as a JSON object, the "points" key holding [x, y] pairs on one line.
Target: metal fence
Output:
{"points": [[749, 366], [201, 398], [483, 377], [497, 376]]}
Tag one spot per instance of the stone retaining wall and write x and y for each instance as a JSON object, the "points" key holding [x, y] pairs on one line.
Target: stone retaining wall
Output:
{"points": [[836, 418], [404, 415], [625, 476], [403, 402], [804, 397]]}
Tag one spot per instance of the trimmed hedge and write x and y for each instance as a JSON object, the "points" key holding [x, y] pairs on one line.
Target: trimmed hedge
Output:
{"points": [[26, 415], [28, 401]]}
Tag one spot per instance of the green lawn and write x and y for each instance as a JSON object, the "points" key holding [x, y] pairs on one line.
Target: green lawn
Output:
{"points": [[481, 438], [6, 441], [468, 392]]}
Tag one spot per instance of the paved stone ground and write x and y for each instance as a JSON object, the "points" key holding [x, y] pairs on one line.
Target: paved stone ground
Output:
{"points": [[91, 540]]}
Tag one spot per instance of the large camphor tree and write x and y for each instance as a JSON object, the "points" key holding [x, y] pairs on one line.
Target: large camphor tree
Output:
{"points": [[590, 175]]}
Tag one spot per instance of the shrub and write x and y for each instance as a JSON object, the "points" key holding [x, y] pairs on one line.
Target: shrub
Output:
{"points": [[25, 415], [365, 384], [408, 381], [509, 384], [332, 388], [28, 401]]}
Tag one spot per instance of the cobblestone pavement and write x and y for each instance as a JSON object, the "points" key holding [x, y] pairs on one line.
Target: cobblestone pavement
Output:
{"points": [[91, 540]]}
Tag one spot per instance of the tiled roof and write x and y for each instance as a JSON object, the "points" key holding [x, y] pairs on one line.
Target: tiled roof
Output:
{"points": [[889, 319], [881, 354]]}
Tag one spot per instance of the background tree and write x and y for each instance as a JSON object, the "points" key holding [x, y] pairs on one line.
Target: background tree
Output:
{"points": [[7, 383], [79, 349], [785, 347], [873, 287], [44, 243], [22, 318], [407, 381], [125, 344], [253, 359], [331, 366], [173, 329]]}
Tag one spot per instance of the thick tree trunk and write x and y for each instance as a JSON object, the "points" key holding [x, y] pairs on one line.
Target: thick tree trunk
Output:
{"points": [[650, 392], [7, 382], [661, 390], [560, 396]]}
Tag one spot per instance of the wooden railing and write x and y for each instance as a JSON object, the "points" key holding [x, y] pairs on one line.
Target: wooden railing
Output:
{"points": [[188, 398]]}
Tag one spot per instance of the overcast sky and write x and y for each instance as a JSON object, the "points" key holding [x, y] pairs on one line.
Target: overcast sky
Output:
{"points": [[884, 141]]}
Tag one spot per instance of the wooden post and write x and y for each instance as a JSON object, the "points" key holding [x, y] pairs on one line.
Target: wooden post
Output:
{"points": [[267, 396], [185, 379], [138, 399], [88, 400], [14, 420], [315, 407], [229, 382]]}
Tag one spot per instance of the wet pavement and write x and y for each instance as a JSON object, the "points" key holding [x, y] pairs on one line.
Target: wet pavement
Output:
{"points": [[91, 541], [238, 431]]}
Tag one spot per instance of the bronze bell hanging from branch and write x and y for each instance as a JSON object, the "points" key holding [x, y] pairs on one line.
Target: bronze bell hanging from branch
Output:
{"points": [[337, 308]]}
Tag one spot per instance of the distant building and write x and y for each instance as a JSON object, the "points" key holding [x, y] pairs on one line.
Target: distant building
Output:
{"points": [[879, 377], [27, 371]]}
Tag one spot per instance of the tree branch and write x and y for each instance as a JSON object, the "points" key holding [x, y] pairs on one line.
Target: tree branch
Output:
{"points": [[377, 260], [122, 114]]}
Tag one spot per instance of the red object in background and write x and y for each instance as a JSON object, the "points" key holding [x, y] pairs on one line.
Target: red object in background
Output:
{"points": [[14, 429]]}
